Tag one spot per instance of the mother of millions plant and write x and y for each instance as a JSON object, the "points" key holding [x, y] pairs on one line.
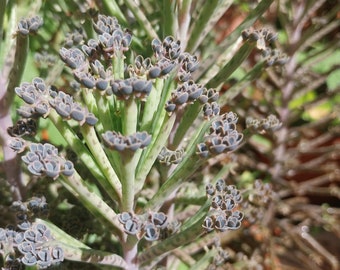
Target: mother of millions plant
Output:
{"points": [[134, 101]]}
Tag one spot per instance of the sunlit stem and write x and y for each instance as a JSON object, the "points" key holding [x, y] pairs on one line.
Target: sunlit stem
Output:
{"points": [[129, 160], [75, 143], [188, 165], [98, 153], [150, 156], [141, 19], [91, 201], [130, 250], [151, 105], [130, 116]]}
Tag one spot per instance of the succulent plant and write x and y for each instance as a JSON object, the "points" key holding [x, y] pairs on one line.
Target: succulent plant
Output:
{"points": [[152, 129]]}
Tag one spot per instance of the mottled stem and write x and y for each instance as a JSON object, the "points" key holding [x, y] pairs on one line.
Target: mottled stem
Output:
{"points": [[130, 250], [98, 153], [92, 202], [130, 160], [141, 18], [9, 78]]}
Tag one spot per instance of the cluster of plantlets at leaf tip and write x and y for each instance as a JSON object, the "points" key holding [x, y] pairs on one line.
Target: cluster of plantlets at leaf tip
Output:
{"points": [[225, 199], [31, 243]]}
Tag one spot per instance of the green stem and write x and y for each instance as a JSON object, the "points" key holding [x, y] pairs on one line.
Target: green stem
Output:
{"points": [[141, 18], [236, 89], [130, 116], [92, 202], [211, 59], [98, 153], [130, 161], [91, 104], [196, 30], [130, 250], [93, 256], [262, 7], [129, 158], [205, 260], [186, 168], [187, 119], [184, 18], [82, 152], [61, 235], [118, 65], [169, 14], [211, 12], [18, 66], [104, 110], [232, 65], [150, 155], [166, 90], [151, 105], [159, 130], [112, 8], [101, 106]]}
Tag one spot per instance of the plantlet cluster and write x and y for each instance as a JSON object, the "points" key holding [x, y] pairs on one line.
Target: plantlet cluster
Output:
{"points": [[223, 214], [223, 136], [40, 99], [31, 243], [152, 227]]}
